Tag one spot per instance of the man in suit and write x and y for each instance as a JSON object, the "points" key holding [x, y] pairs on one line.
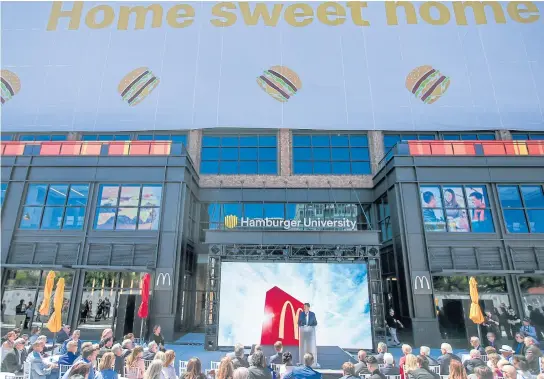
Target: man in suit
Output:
{"points": [[382, 349], [389, 368], [476, 345], [532, 355], [372, 364], [446, 357], [239, 359], [474, 361], [14, 360], [425, 351], [306, 371], [493, 341], [307, 318], [277, 358], [360, 366]]}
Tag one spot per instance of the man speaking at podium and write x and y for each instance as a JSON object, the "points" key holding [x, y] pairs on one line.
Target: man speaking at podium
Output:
{"points": [[307, 343]]}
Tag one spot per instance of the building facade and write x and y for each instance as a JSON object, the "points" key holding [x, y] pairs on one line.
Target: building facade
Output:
{"points": [[103, 219]]}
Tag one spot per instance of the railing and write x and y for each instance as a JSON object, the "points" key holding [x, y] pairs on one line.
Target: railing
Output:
{"points": [[465, 148], [91, 148]]}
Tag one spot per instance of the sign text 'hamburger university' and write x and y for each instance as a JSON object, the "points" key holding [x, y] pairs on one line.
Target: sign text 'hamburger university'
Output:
{"points": [[329, 13]]}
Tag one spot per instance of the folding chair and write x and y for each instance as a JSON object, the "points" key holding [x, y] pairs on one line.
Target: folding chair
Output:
{"points": [[63, 369], [26, 370], [131, 372], [182, 367], [147, 363], [484, 358], [393, 376], [435, 369], [215, 365]]}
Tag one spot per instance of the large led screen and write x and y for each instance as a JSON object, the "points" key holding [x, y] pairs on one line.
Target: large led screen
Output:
{"points": [[260, 303]]}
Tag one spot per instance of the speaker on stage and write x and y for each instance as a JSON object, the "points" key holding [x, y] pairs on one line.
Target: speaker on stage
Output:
{"points": [[210, 343]]}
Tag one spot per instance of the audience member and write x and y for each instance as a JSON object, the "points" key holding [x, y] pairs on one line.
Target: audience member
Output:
{"points": [[360, 367], [119, 365], [492, 363], [80, 370], [157, 337], [506, 352], [474, 361], [232, 354], [128, 346], [168, 369], [130, 336], [106, 367], [509, 372], [381, 349], [277, 358], [134, 364], [71, 354], [152, 349], [63, 334], [239, 359], [425, 351], [287, 364], [14, 360], [8, 344], [501, 364], [492, 340], [389, 368], [348, 369], [161, 356], [410, 364], [241, 373], [519, 344], [194, 370], [419, 371], [527, 329], [533, 355], [406, 349], [254, 348], [225, 370], [476, 345], [35, 333], [455, 370], [107, 338], [482, 372], [75, 337], [445, 359], [38, 368], [154, 371], [522, 367], [88, 355], [373, 368], [306, 371], [490, 350], [257, 366]]}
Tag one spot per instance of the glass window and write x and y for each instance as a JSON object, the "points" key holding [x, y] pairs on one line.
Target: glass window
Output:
{"points": [[239, 154], [106, 137], [528, 136], [55, 206], [468, 136], [390, 140], [456, 208], [175, 138], [384, 219], [3, 190], [339, 154], [6, 137], [128, 207], [42, 137], [522, 208]]}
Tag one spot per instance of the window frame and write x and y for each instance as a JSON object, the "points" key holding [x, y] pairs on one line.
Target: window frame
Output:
{"points": [[3, 193], [220, 146], [524, 208], [442, 135], [530, 136], [117, 206], [43, 206], [84, 137], [21, 137], [384, 221], [312, 160], [154, 136]]}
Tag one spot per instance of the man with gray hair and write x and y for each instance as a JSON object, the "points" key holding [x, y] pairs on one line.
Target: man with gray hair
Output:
{"points": [[445, 359], [425, 352], [239, 359], [304, 372], [389, 367], [70, 356], [360, 366], [152, 349], [128, 345], [232, 354], [117, 350], [474, 361], [15, 359], [382, 349], [257, 368], [476, 345]]}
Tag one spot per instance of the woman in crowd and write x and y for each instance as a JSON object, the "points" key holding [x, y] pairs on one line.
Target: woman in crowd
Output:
{"points": [[160, 356], [168, 369], [8, 345], [410, 365], [194, 370], [457, 371], [134, 364], [287, 364], [106, 367], [226, 369], [154, 371], [157, 337], [519, 344], [107, 335], [257, 368], [493, 361], [80, 371], [241, 373]]}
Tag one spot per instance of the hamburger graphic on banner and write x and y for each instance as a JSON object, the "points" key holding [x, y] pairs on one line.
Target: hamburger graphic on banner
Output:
{"points": [[11, 85], [280, 82], [427, 83], [137, 85]]}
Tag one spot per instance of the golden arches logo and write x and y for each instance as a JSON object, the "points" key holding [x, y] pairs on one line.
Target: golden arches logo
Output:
{"points": [[295, 319], [231, 221]]}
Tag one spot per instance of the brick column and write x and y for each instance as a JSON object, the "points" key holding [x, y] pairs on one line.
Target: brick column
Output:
{"points": [[285, 152], [504, 135], [375, 142], [194, 148]]}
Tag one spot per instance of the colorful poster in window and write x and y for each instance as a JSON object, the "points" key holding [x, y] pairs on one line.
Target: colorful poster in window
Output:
{"points": [[433, 215], [108, 195], [480, 216], [456, 214]]}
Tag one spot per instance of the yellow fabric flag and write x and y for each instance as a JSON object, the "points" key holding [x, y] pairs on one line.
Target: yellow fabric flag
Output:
{"points": [[47, 291], [55, 321], [475, 312]]}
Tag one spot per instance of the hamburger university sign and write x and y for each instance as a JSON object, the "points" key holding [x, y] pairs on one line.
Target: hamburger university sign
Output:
{"points": [[232, 222]]}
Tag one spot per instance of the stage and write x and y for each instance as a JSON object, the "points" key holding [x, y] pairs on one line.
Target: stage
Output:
{"points": [[328, 357]]}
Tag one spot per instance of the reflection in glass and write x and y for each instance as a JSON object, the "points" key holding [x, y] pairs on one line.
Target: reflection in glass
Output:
{"points": [[151, 196], [515, 221], [536, 220], [74, 218], [509, 197], [31, 218], [57, 194], [36, 194], [52, 217], [148, 219], [18, 278], [78, 195], [533, 196], [105, 218], [108, 195], [433, 220], [126, 218], [130, 196], [481, 221]]}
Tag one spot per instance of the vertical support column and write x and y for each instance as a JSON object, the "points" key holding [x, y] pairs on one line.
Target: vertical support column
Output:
{"points": [[375, 142], [211, 321], [504, 135], [376, 296], [285, 152], [195, 147]]}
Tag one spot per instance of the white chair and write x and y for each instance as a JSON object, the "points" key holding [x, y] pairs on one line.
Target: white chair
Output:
{"points": [[444, 376], [435, 369], [393, 376], [26, 370], [364, 376], [131, 373], [183, 367], [137, 341], [276, 367], [98, 362], [147, 362], [215, 365], [484, 358], [64, 368]]}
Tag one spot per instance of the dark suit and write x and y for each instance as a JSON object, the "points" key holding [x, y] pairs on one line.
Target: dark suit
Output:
{"points": [[259, 373], [421, 373], [14, 361], [444, 362], [240, 362], [303, 372], [312, 321], [432, 361], [471, 364], [361, 368], [275, 359], [376, 374], [149, 356], [390, 370]]}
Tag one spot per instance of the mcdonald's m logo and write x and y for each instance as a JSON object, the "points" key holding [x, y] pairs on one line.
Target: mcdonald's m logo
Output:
{"points": [[164, 280], [231, 221], [422, 284], [281, 331]]}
